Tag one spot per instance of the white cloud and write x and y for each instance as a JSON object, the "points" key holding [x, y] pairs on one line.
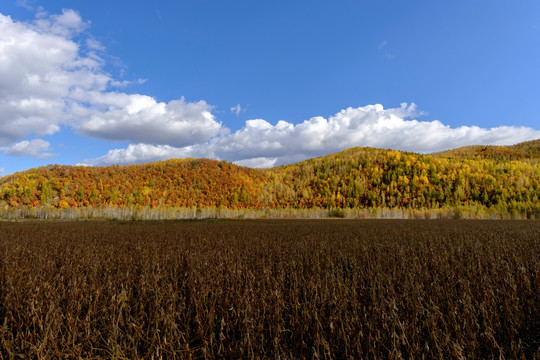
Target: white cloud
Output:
{"points": [[2, 172], [66, 24], [140, 118], [260, 162], [237, 109], [93, 44], [36, 147], [136, 153], [370, 125], [49, 80], [39, 66], [261, 144]]}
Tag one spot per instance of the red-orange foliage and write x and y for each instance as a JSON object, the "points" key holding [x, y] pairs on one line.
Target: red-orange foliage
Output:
{"points": [[506, 179]]}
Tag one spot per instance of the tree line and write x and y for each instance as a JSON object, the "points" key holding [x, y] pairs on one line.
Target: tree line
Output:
{"points": [[357, 178]]}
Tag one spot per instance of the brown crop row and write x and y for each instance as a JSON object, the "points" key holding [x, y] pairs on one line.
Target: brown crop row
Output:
{"points": [[333, 289]]}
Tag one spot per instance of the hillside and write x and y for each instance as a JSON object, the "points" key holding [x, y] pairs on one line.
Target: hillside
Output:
{"points": [[505, 180], [521, 151], [181, 183], [363, 177]]}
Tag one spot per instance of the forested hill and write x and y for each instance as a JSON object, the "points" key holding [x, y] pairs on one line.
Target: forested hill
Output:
{"points": [[501, 179], [525, 150], [182, 183]]}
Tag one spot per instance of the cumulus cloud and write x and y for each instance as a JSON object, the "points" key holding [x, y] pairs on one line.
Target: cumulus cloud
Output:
{"points": [[140, 118], [136, 153], [261, 144], [37, 69], [36, 147], [2, 172], [48, 79], [370, 125], [52, 76]]}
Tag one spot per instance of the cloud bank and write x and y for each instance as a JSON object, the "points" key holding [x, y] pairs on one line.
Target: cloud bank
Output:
{"points": [[261, 144], [52, 76]]}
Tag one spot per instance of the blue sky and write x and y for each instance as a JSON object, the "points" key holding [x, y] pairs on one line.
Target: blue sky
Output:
{"points": [[261, 83]]}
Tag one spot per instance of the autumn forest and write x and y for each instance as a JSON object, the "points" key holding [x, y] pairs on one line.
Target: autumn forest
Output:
{"points": [[502, 180]]}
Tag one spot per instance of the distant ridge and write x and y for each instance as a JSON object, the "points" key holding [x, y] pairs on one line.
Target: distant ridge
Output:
{"points": [[503, 180], [524, 150]]}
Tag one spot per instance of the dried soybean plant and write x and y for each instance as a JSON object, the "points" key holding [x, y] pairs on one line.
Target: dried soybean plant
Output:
{"points": [[332, 289]]}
